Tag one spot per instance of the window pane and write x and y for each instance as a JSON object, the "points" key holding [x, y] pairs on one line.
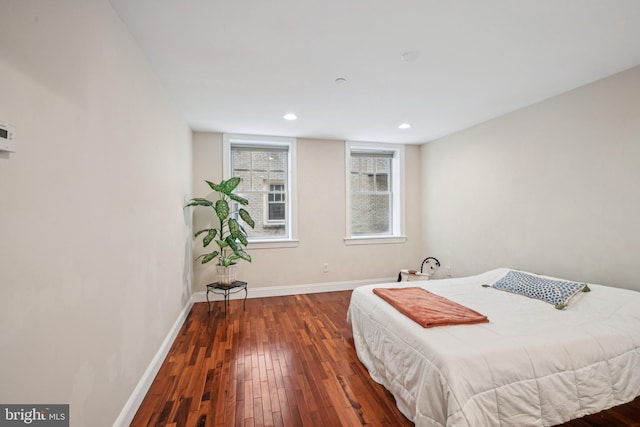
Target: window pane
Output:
{"points": [[259, 170], [383, 164], [257, 181], [355, 164], [355, 181], [370, 173], [366, 182], [260, 212], [242, 159], [245, 179], [371, 198], [276, 211], [277, 161], [370, 213], [264, 185], [375, 199], [382, 182], [366, 164]]}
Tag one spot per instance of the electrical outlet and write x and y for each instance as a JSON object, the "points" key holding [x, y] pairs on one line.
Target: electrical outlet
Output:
{"points": [[325, 267], [448, 271]]}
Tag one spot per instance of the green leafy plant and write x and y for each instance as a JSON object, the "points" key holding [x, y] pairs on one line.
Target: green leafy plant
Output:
{"points": [[230, 236]]}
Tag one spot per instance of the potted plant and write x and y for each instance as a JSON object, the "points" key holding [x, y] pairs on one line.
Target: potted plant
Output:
{"points": [[230, 236]]}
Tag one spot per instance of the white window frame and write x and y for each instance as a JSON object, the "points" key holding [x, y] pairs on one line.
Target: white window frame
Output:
{"points": [[397, 234], [291, 240]]}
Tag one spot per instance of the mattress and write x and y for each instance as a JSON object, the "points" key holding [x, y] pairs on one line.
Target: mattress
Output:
{"points": [[531, 365]]}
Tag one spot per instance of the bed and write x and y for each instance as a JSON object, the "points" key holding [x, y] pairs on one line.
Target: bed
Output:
{"points": [[530, 365]]}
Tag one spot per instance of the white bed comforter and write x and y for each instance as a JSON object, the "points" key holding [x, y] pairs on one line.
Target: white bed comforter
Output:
{"points": [[531, 365]]}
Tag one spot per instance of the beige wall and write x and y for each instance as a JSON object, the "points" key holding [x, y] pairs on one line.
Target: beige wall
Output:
{"points": [[553, 188], [95, 250], [94, 244], [321, 222]]}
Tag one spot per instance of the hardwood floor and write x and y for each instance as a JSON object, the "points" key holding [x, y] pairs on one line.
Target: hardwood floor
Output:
{"points": [[285, 361]]}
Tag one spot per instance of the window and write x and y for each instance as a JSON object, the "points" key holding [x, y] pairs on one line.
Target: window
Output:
{"points": [[374, 193], [265, 167], [276, 206], [371, 196]]}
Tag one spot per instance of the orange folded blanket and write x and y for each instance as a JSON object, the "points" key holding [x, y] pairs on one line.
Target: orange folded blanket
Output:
{"points": [[429, 309]]}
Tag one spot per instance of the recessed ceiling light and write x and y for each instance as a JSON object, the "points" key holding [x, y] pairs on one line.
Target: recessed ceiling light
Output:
{"points": [[290, 116], [404, 126], [340, 80]]}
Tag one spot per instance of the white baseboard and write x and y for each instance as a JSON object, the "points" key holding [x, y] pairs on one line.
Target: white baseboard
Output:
{"points": [[136, 398], [139, 393], [278, 291]]}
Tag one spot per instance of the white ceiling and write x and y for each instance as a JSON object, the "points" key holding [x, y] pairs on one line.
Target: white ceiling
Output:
{"points": [[239, 65]]}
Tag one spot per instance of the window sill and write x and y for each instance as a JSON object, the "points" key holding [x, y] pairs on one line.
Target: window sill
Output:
{"points": [[374, 240], [274, 243], [272, 225]]}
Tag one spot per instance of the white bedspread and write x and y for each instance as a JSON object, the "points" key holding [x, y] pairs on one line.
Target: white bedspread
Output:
{"points": [[531, 365]]}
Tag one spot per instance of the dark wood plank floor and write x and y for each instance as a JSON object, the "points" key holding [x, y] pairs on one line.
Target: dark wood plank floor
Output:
{"points": [[285, 361]]}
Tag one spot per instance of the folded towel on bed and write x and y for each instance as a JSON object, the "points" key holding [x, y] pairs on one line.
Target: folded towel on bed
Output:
{"points": [[429, 309]]}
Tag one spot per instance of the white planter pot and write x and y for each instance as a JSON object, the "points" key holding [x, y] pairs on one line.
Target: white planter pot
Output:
{"points": [[227, 275]]}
